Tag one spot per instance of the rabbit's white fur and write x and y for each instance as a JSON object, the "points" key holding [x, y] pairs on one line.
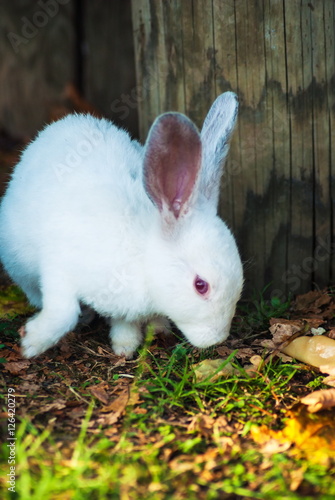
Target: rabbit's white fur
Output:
{"points": [[89, 218]]}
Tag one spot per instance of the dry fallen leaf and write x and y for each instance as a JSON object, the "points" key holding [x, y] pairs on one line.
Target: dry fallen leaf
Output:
{"points": [[304, 435], [12, 354], [256, 365], [119, 403], [312, 300], [208, 368], [331, 333], [223, 351], [202, 424], [315, 351], [317, 303], [284, 358], [297, 477], [282, 329], [330, 371], [15, 367], [244, 353], [56, 405], [29, 388], [319, 400], [113, 412], [99, 392]]}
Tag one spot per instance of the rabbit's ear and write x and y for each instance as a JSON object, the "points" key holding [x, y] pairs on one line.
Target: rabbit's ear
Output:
{"points": [[215, 134], [172, 162]]}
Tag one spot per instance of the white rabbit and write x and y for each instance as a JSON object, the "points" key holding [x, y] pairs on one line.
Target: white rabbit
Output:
{"points": [[92, 218]]}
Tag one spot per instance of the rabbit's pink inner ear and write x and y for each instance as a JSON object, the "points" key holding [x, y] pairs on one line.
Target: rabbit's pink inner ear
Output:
{"points": [[172, 162]]}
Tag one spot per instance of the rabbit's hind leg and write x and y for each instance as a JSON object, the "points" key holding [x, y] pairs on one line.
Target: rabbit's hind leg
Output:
{"points": [[161, 324]]}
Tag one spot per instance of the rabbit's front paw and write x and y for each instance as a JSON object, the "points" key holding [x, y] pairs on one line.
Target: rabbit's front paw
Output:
{"points": [[36, 337], [28, 349], [32, 343], [125, 338]]}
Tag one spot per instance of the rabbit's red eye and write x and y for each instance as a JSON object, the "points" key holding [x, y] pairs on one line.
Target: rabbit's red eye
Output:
{"points": [[201, 285]]}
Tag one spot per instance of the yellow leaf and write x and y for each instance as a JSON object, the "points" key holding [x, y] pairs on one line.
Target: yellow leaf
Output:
{"points": [[304, 435]]}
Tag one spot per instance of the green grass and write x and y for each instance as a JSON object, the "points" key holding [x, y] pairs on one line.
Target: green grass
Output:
{"points": [[179, 438], [172, 384], [159, 455], [254, 315]]}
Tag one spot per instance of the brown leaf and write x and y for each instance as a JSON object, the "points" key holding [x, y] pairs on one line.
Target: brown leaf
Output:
{"points": [[297, 477], [15, 367], [223, 351], [140, 411], [30, 388], [317, 302], [314, 322], [134, 397], [113, 412], [119, 403], [245, 352], [13, 354], [319, 400], [283, 329], [284, 358], [268, 343], [59, 404], [331, 333], [307, 301], [99, 392], [202, 424], [256, 363]]}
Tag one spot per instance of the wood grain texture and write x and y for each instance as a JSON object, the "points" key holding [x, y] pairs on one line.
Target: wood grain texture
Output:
{"points": [[108, 61], [36, 62], [278, 56], [330, 50]]}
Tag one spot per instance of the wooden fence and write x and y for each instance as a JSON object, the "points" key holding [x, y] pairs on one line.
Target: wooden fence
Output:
{"points": [[278, 55], [49, 44]]}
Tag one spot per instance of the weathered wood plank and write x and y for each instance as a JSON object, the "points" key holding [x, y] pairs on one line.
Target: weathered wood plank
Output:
{"points": [[108, 61], [199, 58], [329, 16], [250, 60], [232, 200], [276, 146], [299, 77], [321, 143], [278, 55], [171, 57], [147, 22], [36, 61]]}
